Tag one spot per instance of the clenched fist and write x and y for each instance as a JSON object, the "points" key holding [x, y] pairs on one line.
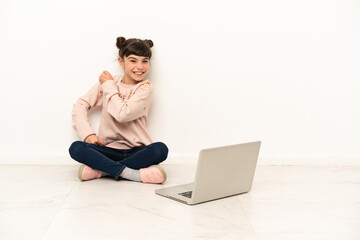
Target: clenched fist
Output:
{"points": [[93, 139], [104, 76]]}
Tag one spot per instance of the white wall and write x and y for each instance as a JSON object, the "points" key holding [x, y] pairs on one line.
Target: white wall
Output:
{"points": [[284, 72]]}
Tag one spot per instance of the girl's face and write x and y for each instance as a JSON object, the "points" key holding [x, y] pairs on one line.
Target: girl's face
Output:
{"points": [[135, 68]]}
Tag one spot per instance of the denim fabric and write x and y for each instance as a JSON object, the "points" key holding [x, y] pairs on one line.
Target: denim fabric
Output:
{"points": [[113, 161]]}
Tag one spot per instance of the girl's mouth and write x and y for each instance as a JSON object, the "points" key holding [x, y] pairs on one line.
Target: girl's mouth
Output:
{"points": [[138, 73]]}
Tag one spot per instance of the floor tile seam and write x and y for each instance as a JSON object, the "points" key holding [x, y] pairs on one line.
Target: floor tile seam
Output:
{"points": [[260, 232], [58, 210], [248, 219]]}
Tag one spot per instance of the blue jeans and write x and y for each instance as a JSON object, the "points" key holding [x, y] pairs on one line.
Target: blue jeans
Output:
{"points": [[113, 161]]}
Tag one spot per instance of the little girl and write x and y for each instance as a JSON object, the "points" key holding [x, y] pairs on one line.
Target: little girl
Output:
{"points": [[123, 147]]}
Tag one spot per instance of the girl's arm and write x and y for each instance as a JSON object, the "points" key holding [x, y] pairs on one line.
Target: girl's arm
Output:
{"points": [[80, 110], [136, 105]]}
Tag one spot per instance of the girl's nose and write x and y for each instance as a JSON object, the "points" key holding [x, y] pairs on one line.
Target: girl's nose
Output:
{"points": [[140, 66]]}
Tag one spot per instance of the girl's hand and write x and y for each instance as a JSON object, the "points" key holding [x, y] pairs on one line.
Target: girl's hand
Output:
{"points": [[93, 139], [105, 75]]}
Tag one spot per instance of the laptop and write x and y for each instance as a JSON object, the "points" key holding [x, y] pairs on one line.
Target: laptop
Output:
{"points": [[221, 172]]}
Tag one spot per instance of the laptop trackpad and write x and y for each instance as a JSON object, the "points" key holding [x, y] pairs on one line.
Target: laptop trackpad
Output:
{"points": [[187, 187]]}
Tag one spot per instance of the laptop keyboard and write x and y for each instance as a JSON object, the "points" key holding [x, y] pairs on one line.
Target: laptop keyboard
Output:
{"points": [[186, 194]]}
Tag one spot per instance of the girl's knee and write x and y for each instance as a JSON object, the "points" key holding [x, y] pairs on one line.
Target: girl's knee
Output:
{"points": [[160, 150], [75, 148]]}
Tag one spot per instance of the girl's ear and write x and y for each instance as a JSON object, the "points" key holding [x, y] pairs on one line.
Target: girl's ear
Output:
{"points": [[121, 61]]}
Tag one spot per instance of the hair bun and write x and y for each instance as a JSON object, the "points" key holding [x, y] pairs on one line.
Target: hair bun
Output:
{"points": [[120, 42], [149, 43]]}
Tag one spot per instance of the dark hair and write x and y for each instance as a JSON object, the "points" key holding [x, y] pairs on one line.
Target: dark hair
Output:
{"points": [[134, 46]]}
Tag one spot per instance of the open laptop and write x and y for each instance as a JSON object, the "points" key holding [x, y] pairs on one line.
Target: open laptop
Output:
{"points": [[221, 172]]}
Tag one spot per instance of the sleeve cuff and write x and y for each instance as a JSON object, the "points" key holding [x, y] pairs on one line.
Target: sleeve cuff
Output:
{"points": [[109, 86], [87, 136]]}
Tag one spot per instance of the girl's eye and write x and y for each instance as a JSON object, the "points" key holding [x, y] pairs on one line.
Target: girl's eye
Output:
{"points": [[132, 61], [145, 61]]}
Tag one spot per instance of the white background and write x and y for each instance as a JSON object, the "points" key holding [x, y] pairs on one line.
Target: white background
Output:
{"points": [[224, 72]]}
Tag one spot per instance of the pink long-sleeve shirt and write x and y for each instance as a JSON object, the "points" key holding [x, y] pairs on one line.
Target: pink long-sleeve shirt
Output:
{"points": [[124, 113]]}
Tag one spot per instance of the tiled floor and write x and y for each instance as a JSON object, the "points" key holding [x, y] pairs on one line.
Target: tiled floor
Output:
{"points": [[286, 202]]}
